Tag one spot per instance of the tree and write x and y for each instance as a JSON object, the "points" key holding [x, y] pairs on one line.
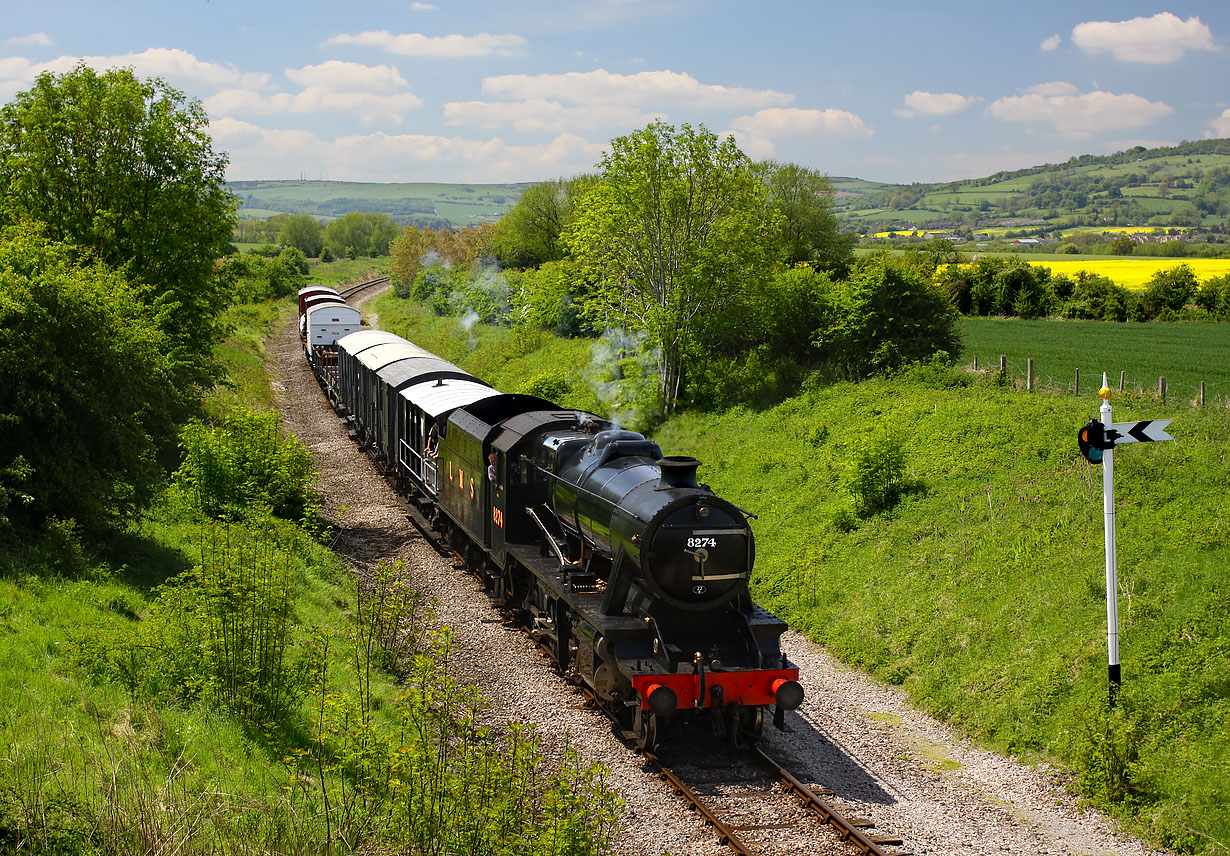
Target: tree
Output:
{"points": [[529, 234], [888, 316], [303, 232], [810, 231], [1169, 290], [88, 387], [676, 227], [361, 234], [126, 168]]}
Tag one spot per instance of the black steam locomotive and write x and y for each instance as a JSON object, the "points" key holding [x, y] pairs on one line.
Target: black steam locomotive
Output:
{"points": [[632, 574]]}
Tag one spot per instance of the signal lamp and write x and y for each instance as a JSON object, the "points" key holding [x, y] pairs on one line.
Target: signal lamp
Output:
{"points": [[1093, 441]]}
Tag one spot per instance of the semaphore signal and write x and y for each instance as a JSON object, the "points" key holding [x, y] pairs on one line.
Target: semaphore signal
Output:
{"points": [[1097, 441]]}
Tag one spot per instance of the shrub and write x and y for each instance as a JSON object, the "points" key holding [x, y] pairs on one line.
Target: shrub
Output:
{"points": [[875, 475], [244, 466]]}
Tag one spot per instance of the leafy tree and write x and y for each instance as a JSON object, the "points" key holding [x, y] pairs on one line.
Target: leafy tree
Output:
{"points": [[677, 226], [1169, 290], [88, 387], [888, 316], [303, 232], [529, 234], [360, 234], [1122, 246], [810, 231], [125, 167]]}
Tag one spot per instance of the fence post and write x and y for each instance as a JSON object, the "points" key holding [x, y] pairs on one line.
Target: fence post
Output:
{"points": [[1202, 393], [975, 362], [1003, 363], [1029, 375], [1122, 380], [1161, 387], [1077, 388]]}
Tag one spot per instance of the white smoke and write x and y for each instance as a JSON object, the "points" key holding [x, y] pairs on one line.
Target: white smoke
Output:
{"points": [[623, 374]]}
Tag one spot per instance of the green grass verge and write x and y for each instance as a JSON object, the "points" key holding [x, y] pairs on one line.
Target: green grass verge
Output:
{"points": [[109, 745]]}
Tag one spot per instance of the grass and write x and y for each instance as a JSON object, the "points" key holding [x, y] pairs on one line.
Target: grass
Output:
{"points": [[981, 592], [1186, 354]]}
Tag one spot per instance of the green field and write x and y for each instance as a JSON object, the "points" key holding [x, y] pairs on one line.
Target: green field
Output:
{"points": [[1185, 354], [454, 205]]}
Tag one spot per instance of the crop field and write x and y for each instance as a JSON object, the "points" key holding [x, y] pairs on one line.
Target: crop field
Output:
{"points": [[1185, 354], [1137, 271]]}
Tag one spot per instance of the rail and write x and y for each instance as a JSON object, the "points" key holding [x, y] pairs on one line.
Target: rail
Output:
{"points": [[846, 830]]}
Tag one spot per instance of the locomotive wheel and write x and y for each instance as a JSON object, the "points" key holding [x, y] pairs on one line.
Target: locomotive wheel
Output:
{"points": [[647, 735], [746, 726]]}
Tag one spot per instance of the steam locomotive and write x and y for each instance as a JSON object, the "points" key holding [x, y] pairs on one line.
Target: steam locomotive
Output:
{"points": [[632, 574]]}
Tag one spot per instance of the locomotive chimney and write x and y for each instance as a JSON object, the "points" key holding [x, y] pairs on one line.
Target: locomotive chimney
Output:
{"points": [[677, 471]]}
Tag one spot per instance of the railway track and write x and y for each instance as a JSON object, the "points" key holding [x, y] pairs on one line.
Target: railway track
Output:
{"points": [[359, 287], [756, 806]]}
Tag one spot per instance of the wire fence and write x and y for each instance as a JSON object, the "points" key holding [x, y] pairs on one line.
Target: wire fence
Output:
{"points": [[1025, 378]]}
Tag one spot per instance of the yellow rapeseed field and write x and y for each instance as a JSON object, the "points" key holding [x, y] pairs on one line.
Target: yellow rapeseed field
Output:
{"points": [[1136, 272]]}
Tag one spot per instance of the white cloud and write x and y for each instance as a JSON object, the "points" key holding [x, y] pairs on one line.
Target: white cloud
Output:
{"points": [[641, 89], [919, 103], [373, 93], [41, 39], [435, 47], [423, 7], [542, 115], [1051, 43], [338, 76], [1163, 38], [799, 122], [1219, 127], [177, 66], [263, 153], [758, 133], [1055, 87], [1079, 117]]}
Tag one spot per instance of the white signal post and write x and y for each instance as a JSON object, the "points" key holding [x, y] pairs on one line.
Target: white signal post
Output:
{"points": [[1148, 431], [1112, 581]]}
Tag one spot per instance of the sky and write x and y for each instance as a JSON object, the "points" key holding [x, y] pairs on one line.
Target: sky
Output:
{"points": [[480, 91]]}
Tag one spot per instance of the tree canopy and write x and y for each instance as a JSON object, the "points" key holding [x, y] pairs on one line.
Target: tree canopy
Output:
{"points": [[529, 234], [125, 168], [304, 233], [88, 387], [360, 233], [810, 231], [676, 227]]}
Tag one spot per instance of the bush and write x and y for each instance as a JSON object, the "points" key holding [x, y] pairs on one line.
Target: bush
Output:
{"points": [[887, 317], [875, 475], [244, 466]]}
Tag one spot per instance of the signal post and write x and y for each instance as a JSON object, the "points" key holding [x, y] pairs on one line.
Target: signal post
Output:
{"points": [[1097, 441]]}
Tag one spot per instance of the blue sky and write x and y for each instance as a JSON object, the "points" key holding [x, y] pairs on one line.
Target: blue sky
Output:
{"points": [[478, 91]]}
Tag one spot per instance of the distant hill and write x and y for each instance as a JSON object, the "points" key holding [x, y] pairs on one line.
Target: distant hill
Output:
{"points": [[421, 204], [1184, 185]]}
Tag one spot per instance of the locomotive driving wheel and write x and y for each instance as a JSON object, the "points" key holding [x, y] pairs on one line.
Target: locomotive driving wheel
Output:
{"points": [[647, 732]]}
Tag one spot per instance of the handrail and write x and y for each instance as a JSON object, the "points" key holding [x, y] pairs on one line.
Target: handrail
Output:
{"points": [[559, 554]]}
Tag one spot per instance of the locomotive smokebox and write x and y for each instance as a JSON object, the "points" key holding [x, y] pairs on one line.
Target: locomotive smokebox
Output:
{"points": [[677, 471]]}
